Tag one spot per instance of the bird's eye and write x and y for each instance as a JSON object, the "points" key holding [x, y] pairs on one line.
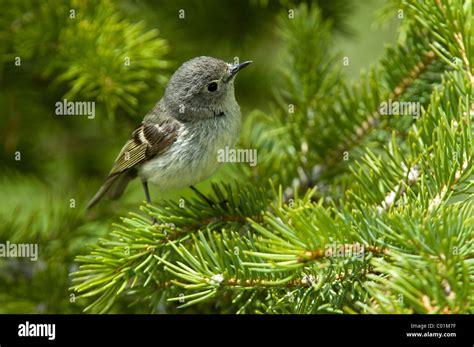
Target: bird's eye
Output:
{"points": [[212, 87]]}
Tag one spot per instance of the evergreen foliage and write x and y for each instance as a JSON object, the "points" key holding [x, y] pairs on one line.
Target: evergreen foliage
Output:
{"points": [[401, 241], [349, 210]]}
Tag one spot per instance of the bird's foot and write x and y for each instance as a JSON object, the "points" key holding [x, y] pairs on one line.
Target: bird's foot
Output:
{"points": [[222, 204], [212, 204]]}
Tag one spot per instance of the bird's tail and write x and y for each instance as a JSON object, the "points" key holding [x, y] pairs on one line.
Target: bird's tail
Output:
{"points": [[114, 187]]}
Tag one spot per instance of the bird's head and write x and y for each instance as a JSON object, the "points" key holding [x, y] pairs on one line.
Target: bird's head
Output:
{"points": [[202, 87]]}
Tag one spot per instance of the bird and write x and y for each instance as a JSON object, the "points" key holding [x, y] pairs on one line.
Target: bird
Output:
{"points": [[177, 142]]}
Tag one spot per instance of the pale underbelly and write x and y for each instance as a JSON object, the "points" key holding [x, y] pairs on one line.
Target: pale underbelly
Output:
{"points": [[186, 162]]}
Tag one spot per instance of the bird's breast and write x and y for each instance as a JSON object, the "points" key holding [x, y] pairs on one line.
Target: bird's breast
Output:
{"points": [[194, 155]]}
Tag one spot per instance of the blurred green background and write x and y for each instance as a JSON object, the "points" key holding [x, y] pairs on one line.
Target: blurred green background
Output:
{"points": [[51, 165]]}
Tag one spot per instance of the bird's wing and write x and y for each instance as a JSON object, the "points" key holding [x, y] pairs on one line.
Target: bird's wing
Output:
{"points": [[147, 141]]}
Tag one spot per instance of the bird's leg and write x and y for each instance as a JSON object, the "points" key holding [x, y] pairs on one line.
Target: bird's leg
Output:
{"points": [[209, 201], [148, 199]]}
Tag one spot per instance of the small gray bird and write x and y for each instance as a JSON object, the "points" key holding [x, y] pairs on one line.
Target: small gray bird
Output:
{"points": [[177, 143]]}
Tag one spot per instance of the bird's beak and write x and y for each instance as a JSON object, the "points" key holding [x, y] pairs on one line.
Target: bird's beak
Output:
{"points": [[237, 67]]}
